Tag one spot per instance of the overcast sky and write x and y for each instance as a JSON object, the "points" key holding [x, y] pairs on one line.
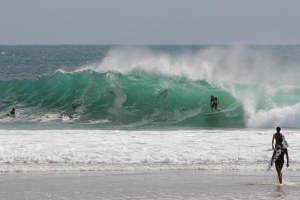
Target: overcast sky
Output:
{"points": [[149, 21]]}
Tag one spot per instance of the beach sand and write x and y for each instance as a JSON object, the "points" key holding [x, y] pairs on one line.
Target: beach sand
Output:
{"points": [[202, 184]]}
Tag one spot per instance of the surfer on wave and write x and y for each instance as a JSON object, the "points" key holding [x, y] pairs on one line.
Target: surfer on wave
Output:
{"points": [[214, 102]]}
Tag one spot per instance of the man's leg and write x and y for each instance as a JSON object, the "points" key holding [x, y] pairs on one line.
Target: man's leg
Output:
{"points": [[280, 177], [279, 164]]}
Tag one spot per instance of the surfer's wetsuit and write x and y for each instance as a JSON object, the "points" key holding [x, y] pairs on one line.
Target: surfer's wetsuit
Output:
{"points": [[214, 101]]}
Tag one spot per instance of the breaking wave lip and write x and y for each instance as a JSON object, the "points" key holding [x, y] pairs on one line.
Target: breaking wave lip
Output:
{"points": [[219, 64]]}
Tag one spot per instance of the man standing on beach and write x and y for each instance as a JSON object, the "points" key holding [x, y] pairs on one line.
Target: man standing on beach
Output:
{"points": [[279, 150]]}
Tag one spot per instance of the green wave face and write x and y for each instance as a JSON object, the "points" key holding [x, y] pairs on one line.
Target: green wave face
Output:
{"points": [[112, 99]]}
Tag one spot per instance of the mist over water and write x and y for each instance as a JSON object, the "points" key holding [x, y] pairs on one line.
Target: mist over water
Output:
{"points": [[155, 86]]}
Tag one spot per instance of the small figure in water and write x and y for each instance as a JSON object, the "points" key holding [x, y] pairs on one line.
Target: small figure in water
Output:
{"points": [[279, 151], [12, 112], [75, 105], [214, 102], [163, 93]]}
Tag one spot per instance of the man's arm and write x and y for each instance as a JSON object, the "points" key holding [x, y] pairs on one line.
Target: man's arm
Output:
{"points": [[287, 159], [273, 142]]}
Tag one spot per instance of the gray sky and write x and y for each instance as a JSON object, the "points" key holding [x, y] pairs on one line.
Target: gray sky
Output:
{"points": [[149, 21]]}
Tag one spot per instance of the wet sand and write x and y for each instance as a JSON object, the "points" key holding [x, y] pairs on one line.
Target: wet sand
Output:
{"points": [[148, 185]]}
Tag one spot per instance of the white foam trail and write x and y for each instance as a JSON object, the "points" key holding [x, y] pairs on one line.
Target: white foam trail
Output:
{"points": [[37, 150], [287, 116], [50, 117]]}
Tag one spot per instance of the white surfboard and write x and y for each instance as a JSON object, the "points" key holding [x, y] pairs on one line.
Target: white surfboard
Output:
{"points": [[217, 112], [278, 152], [271, 163], [285, 144]]}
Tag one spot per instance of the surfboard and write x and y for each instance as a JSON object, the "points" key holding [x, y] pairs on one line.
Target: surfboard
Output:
{"points": [[271, 163], [217, 112], [285, 144], [278, 152]]}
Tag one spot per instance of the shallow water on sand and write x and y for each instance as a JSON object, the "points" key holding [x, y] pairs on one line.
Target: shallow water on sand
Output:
{"points": [[154, 185]]}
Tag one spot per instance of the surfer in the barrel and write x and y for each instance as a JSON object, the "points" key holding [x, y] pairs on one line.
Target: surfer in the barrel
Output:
{"points": [[163, 93], [279, 150], [214, 102]]}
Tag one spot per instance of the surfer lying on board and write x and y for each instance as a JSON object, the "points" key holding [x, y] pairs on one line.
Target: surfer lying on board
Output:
{"points": [[278, 155], [214, 102]]}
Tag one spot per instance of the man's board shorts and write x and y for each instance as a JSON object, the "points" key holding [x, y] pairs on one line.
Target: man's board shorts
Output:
{"points": [[279, 163]]}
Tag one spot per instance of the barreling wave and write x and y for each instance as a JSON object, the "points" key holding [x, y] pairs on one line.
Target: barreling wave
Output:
{"points": [[114, 99]]}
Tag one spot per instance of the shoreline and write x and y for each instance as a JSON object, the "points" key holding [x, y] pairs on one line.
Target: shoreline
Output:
{"points": [[76, 168], [147, 185]]}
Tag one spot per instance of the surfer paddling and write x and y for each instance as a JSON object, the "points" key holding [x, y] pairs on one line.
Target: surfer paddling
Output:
{"points": [[12, 113], [280, 149], [214, 102]]}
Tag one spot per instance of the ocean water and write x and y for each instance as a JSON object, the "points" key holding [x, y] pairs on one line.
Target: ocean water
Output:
{"points": [[144, 107]]}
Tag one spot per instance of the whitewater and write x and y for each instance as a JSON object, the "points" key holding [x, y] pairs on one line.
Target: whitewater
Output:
{"points": [[144, 107], [103, 150]]}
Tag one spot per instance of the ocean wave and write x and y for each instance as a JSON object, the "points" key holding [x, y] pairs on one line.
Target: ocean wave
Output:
{"points": [[156, 86], [137, 99]]}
